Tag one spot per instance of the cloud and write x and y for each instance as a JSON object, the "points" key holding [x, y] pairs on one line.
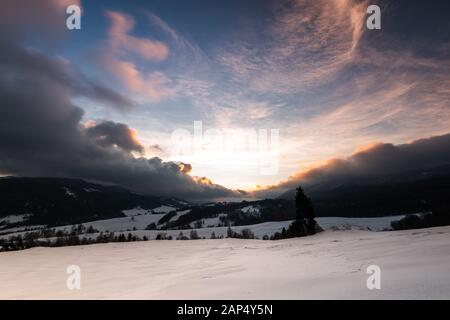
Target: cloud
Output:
{"points": [[120, 39], [185, 167], [305, 44], [340, 84], [18, 61], [42, 132], [47, 18], [117, 60], [41, 135], [370, 164], [111, 134]]}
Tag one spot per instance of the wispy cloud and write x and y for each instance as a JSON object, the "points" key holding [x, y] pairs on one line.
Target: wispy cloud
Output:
{"points": [[304, 44]]}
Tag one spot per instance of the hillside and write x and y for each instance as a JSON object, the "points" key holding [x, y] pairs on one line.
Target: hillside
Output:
{"points": [[57, 201]]}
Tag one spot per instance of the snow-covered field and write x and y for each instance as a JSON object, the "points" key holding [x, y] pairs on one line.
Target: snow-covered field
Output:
{"points": [[415, 264], [137, 220], [14, 218], [374, 224], [140, 222]]}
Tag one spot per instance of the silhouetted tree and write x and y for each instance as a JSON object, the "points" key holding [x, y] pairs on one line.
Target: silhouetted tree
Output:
{"points": [[304, 223], [305, 211], [230, 232], [162, 236], [194, 235], [283, 233], [247, 234], [181, 236], [441, 213], [151, 226]]}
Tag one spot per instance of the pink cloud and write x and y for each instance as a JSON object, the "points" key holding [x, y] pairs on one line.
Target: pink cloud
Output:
{"points": [[126, 71], [121, 25], [116, 60]]}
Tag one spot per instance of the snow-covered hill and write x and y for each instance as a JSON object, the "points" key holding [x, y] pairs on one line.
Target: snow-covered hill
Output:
{"points": [[331, 265], [136, 225], [27, 202]]}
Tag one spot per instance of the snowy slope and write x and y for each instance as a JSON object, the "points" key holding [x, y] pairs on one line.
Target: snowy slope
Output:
{"points": [[259, 230], [135, 212], [138, 219], [14, 218], [374, 224], [331, 265], [140, 222], [164, 209]]}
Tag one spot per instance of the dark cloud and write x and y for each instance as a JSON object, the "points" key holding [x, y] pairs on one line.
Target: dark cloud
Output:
{"points": [[112, 134], [41, 135], [45, 21], [371, 165], [17, 61], [42, 132]]}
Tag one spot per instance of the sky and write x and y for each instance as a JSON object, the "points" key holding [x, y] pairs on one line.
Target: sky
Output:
{"points": [[207, 99]]}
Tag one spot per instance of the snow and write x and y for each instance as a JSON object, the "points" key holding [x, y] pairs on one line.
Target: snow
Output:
{"points": [[139, 218], [139, 222], [6, 233], [164, 209], [374, 224], [210, 222], [252, 210], [14, 218], [179, 214], [259, 230], [182, 202], [330, 265], [69, 192], [135, 212]]}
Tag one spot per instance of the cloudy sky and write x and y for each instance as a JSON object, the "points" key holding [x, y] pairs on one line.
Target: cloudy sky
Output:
{"points": [[121, 100]]}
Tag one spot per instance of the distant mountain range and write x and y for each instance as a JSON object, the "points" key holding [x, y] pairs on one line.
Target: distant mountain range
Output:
{"points": [[57, 201], [379, 195]]}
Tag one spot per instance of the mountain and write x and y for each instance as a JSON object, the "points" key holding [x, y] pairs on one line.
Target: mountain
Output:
{"points": [[403, 193], [61, 201], [229, 213]]}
